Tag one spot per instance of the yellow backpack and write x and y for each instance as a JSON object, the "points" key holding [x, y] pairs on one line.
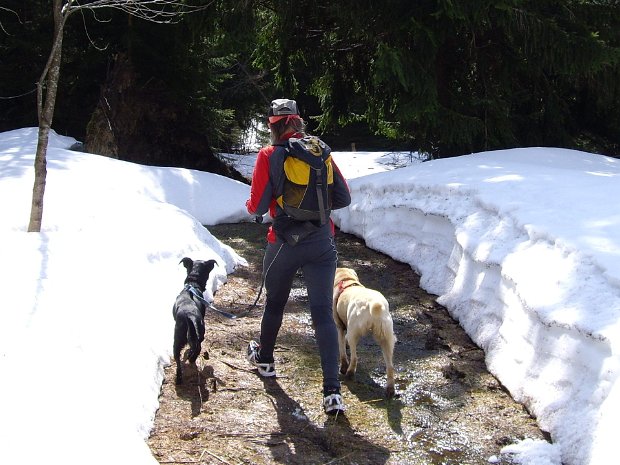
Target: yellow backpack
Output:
{"points": [[308, 180]]}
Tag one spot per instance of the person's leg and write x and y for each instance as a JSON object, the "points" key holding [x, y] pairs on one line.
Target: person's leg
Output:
{"points": [[279, 266], [319, 277]]}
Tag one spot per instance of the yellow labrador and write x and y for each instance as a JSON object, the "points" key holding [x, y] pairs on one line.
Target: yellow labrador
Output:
{"points": [[358, 310]]}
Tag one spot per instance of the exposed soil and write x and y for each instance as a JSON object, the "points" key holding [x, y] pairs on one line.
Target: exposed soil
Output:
{"points": [[449, 409]]}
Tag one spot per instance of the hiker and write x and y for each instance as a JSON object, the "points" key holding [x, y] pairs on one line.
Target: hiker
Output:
{"points": [[294, 244]]}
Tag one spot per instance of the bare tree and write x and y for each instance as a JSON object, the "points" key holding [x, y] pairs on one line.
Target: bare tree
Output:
{"points": [[159, 11], [3, 8]]}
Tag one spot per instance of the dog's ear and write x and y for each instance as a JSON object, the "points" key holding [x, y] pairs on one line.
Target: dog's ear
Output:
{"points": [[211, 264], [188, 263]]}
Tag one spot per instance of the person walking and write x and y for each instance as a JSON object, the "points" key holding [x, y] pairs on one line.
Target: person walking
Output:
{"points": [[294, 244]]}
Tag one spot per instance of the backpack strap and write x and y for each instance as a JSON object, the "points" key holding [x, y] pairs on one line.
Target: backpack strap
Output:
{"points": [[319, 194], [279, 176]]}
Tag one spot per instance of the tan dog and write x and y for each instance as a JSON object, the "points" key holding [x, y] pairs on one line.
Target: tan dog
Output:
{"points": [[358, 310]]}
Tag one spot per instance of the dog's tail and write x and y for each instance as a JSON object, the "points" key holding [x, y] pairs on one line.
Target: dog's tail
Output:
{"points": [[195, 336], [376, 309], [384, 321]]}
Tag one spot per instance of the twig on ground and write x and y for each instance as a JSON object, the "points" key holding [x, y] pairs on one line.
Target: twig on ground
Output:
{"points": [[179, 461], [236, 367], [250, 435], [273, 402], [467, 350], [338, 459], [239, 389], [372, 401], [199, 382], [280, 348], [215, 456]]}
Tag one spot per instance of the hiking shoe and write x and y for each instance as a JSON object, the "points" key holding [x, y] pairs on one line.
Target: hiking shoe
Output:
{"points": [[264, 369], [332, 401]]}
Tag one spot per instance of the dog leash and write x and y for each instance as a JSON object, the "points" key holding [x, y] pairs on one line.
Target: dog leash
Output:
{"points": [[262, 284], [196, 293]]}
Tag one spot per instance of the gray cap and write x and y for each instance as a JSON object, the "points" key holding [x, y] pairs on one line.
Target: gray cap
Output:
{"points": [[283, 106]]}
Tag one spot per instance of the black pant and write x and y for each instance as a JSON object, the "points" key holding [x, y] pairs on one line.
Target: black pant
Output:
{"points": [[317, 259]]}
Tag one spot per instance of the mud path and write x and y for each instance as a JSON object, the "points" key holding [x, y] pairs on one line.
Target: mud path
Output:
{"points": [[449, 411]]}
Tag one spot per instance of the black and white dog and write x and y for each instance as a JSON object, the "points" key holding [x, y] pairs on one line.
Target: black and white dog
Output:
{"points": [[189, 312]]}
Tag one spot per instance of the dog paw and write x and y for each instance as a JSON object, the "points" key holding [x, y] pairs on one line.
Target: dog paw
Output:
{"points": [[390, 392], [349, 375]]}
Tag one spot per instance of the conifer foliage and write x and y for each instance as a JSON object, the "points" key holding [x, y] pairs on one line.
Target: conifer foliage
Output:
{"points": [[455, 77], [443, 76]]}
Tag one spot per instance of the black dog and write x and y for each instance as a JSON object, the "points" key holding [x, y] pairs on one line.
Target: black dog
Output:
{"points": [[189, 312]]}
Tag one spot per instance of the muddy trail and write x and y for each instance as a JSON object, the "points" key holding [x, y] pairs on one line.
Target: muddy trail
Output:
{"points": [[449, 410]]}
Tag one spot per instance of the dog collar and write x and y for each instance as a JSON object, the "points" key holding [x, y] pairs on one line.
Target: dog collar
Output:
{"points": [[193, 290], [342, 286]]}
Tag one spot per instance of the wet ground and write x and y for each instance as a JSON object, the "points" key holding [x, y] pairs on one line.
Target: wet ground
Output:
{"points": [[449, 410]]}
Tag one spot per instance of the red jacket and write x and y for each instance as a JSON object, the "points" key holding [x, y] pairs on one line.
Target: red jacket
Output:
{"points": [[263, 191]]}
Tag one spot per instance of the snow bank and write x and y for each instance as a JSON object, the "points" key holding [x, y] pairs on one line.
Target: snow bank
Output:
{"points": [[86, 322], [515, 273]]}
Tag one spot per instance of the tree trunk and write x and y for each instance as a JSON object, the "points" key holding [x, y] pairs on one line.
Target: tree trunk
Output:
{"points": [[47, 88], [139, 120], [40, 175]]}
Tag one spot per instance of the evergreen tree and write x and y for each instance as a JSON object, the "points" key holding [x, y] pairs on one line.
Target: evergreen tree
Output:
{"points": [[436, 75], [451, 77]]}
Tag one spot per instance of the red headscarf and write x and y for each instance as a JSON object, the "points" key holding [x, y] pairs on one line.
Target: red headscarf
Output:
{"points": [[275, 119]]}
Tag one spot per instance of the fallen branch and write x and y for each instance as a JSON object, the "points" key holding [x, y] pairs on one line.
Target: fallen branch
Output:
{"points": [[179, 461], [241, 389], [250, 435], [372, 401], [338, 459], [247, 370], [215, 456], [237, 367]]}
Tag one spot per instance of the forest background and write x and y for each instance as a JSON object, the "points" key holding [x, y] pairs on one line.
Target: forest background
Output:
{"points": [[441, 77]]}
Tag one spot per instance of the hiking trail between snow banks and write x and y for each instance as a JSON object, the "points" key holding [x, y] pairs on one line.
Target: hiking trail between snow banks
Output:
{"points": [[449, 410]]}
